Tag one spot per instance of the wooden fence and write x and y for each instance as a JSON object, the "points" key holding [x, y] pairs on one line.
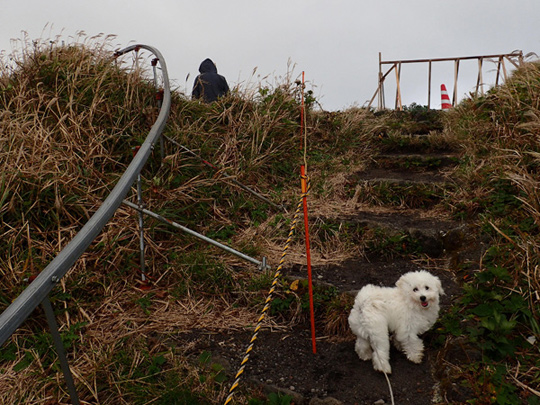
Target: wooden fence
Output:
{"points": [[515, 58]]}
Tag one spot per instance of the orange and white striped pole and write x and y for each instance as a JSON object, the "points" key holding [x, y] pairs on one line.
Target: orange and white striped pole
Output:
{"points": [[445, 99]]}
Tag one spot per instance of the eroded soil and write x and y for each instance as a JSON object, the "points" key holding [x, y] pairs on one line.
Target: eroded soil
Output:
{"points": [[283, 360]]}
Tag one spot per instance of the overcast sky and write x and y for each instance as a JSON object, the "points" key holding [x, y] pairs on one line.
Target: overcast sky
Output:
{"points": [[336, 43]]}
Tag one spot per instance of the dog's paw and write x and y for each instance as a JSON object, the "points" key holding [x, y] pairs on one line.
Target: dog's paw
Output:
{"points": [[382, 366], [415, 357], [363, 349], [365, 356]]}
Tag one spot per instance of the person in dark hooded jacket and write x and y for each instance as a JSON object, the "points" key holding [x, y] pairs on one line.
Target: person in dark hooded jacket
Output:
{"points": [[209, 85]]}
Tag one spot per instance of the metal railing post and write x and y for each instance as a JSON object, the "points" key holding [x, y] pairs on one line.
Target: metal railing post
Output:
{"points": [[59, 345]]}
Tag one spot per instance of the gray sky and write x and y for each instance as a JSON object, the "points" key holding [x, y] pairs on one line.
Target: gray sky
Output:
{"points": [[336, 43]]}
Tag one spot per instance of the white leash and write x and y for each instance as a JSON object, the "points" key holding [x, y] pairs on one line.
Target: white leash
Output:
{"points": [[390, 388]]}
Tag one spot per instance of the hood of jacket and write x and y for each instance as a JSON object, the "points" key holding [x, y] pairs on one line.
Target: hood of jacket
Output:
{"points": [[207, 66]]}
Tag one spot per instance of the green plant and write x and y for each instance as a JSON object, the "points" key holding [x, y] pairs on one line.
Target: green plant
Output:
{"points": [[498, 314], [145, 303], [214, 370], [294, 300], [202, 273], [273, 399], [384, 244]]}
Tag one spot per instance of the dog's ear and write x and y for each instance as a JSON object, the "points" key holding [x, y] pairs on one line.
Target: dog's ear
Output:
{"points": [[401, 282], [439, 286]]}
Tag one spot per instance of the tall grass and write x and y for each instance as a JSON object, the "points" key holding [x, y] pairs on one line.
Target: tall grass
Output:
{"points": [[499, 188], [70, 116]]}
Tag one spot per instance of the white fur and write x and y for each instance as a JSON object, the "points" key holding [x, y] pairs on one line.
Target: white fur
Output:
{"points": [[378, 311]]}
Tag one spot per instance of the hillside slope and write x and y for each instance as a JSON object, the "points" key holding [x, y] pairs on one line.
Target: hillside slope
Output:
{"points": [[390, 192]]}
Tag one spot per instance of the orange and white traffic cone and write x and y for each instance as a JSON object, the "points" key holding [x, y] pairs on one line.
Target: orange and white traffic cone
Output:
{"points": [[445, 100]]}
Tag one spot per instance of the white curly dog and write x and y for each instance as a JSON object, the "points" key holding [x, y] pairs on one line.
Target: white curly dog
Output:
{"points": [[406, 311]]}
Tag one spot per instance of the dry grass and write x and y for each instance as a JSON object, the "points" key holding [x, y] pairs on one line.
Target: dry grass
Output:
{"points": [[62, 143], [69, 117], [499, 188]]}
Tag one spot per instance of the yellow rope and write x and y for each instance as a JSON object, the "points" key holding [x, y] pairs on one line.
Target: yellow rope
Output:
{"points": [[268, 300]]}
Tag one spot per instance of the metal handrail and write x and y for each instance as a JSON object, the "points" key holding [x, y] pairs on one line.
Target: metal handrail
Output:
{"points": [[38, 290]]}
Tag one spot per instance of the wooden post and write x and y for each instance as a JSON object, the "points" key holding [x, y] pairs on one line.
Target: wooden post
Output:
{"points": [[498, 71], [398, 89], [380, 84], [480, 80], [380, 90], [456, 72], [519, 57], [429, 87], [504, 70]]}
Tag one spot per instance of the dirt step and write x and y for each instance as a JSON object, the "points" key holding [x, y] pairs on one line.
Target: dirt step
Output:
{"points": [[380, 175], [403, 190], [415, 162], [351, 275], [283, 361], [395, 233], [427, 143], [410, 221]]}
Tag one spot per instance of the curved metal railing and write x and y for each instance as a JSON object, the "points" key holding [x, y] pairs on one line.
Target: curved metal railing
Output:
{"points": [[42, 285]]}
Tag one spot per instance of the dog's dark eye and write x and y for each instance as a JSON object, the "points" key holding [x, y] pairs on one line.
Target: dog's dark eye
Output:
{"points": [[427, 288], [415, 289]]}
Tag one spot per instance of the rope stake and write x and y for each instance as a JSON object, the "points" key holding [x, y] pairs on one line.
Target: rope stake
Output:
{"points": [[268, 301]]}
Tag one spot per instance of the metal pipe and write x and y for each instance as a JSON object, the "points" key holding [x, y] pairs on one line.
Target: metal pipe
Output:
{"points": [[35, 293], [262, 265], [140, 221]]}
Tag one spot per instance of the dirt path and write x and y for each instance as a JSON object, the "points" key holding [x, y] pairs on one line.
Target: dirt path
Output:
{"points": [[283, 360]]}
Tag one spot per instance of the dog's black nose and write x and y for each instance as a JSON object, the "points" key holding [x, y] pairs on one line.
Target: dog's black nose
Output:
{"points": [[422, 298]]}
